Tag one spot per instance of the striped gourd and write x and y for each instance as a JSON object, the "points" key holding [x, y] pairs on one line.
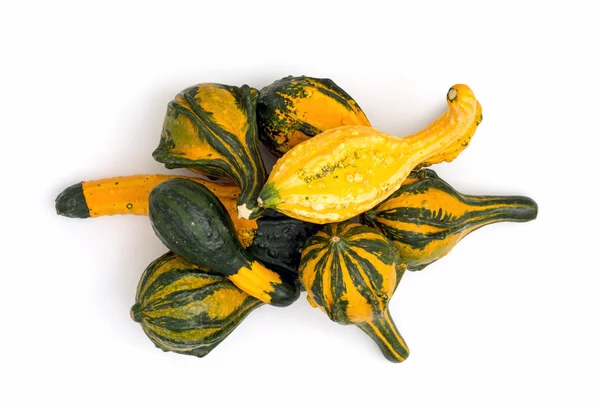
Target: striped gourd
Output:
{"points": [[189, 219], [129, 195], [426, 217], [211, 128], [187, 309], [346, 171], [294, 109], [350, 271]]}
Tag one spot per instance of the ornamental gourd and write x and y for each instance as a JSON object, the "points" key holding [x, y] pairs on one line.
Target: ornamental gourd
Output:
{"points": [[211, 128], [129, 195], [186, 309], [346, 171], [350, 271], [189, 219], [294, 109], [426, 217]]}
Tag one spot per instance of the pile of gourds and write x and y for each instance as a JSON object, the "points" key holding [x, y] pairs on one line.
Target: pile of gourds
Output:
{"points": [[344, 212]]}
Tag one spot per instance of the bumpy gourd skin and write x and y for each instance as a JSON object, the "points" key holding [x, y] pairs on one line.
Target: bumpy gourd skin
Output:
{"points": [[211, 128], [345, 171], [186, 309], [192, 223], [426, 217], [350, 271], [129, 195], [294, 109]]}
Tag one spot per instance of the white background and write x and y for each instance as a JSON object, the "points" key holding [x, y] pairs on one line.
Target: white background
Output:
{"points": [[509, 318]]}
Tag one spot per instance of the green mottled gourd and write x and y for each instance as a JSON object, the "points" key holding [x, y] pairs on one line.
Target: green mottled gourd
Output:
{"points": [[350, 271], [186, 309], [426, 217], [191, 221], [294, 109], [211, 129]]}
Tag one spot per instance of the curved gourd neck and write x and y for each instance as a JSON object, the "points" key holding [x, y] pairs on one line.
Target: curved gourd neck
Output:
{"points": [[384, 332]]}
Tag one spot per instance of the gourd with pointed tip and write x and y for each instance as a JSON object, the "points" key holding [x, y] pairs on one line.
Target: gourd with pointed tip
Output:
{"points": [[211, 128], [189, 219], [129, 195], [346, 171], [426, 217], [186, 309], [350, 271]]}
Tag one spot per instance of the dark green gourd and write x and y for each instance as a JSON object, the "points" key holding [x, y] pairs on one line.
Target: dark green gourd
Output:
{"points": [[279, 240], [189, 219], [186, 309]]}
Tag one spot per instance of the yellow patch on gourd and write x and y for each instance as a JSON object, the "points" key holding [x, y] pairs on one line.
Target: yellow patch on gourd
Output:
{"points": [[223, 302], [257, 281], [222, 105]]}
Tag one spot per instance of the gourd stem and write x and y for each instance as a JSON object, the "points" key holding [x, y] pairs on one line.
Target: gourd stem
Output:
{"points": [[491, 209], [384, 332]]}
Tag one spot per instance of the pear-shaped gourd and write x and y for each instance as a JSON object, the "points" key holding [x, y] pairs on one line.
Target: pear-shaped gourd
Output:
{"points": [[426, 217], [350, 271]]}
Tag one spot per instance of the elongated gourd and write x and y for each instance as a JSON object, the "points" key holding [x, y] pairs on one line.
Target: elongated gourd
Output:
{"points": [[191, 222], [129, 195], [186, 309], [346, 171], [211, 128], [350, 271], [294, 109], [426, 217]]}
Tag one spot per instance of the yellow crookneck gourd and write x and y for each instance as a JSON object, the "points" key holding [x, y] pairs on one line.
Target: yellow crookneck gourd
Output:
{"points": [[345, 171], [350, 271]]}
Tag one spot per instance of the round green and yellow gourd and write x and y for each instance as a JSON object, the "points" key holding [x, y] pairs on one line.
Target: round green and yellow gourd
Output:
{"points": [[186, 309], [350, 271], [426, 217], [211, 128], [294, 109]]}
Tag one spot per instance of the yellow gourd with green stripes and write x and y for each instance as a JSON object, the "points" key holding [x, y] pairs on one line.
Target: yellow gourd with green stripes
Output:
{"points": [[350, 271], [426, 217], [294, 109], [211, 128], [187, 309]]}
